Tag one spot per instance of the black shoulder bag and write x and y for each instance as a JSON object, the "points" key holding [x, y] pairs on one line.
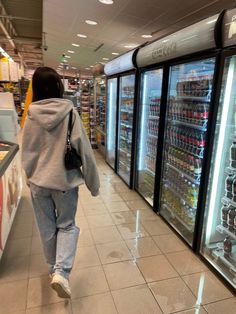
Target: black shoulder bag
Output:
{"points": [[72, 160]]}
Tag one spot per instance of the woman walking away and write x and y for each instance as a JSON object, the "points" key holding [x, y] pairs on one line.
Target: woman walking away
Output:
{"points": [[54, 190]]}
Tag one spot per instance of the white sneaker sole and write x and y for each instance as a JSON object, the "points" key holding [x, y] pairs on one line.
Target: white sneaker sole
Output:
{"points": [[60, 290]]}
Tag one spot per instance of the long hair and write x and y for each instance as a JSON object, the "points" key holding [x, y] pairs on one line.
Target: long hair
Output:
{"points": [[46, 83]]}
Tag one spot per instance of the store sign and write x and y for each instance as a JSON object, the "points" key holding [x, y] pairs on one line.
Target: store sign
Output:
{"points": [[229, 28], [120, 64], [194, 38]]}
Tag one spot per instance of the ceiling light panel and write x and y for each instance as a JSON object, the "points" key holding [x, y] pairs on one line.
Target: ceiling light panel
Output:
{"points": [[115, 53], [106, 1], [71, 51], [147, 36], [75, 45], [82, 35], [90, 22]]}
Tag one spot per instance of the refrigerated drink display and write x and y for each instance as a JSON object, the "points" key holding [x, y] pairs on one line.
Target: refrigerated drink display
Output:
{"points": [[111, 121], [126, 107], [185, 133], [148, 133], [218, 243]]}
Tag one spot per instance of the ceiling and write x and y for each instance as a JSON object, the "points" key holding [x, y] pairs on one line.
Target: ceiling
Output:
{"points": [[21, 30], [119, 24]]}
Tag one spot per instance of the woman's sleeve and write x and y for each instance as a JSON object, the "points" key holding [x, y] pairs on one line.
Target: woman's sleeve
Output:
{"points": [[83, 147]]}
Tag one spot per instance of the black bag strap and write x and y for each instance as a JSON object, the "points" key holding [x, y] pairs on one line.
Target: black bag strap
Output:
{"points": [[70, 128]]}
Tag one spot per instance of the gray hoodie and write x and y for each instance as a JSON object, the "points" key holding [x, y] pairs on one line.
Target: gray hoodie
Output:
{"points": [[44, 143]]}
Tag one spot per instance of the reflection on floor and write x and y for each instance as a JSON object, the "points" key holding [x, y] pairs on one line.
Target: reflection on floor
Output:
{"points": [[128, 261]]}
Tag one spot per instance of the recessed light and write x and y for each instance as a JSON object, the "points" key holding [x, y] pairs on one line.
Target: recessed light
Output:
{"points": [[106, 1], [68, 57], [130, 46], [75, 45], [115, 53], [90, 22], [87, 68], [147, 36], [91, 66], [82, 35], [106, 59], [71, 51]]}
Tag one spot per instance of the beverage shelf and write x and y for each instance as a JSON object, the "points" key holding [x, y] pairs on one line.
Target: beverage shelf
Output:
{"points": [[180, 196], [127, 165], [176, 216], [126, 125], [223, 230], [219, 254], [153, 117], [190, 125], [150, 171], [125, 151], [201, 150], [183, 174], [203, 99], [126, 110], [151, 135], [229, 201], [125, 139]]}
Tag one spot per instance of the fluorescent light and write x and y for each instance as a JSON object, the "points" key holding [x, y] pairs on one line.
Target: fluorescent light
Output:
{"points": [[71, 51], [82, 35], [212, 21], [106, 1], [75, 45], [5, 54], [87, 69], [106, 59], [146, 36], [68, 57], [90, 22], [91, 66], [74, 68], [115, 53], [130, 46]]}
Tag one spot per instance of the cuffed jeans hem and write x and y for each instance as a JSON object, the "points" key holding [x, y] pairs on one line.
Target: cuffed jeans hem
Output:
{"points": [[63, 273]]}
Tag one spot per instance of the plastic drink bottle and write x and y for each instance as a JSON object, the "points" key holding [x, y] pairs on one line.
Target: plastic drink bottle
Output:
{"points": [[233, 155], [229, 185]]}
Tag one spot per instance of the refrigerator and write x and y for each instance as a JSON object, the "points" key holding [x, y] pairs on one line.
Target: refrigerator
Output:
{"points": [[125, 126], [147, 136], [218, 240], [189, 102], [111, 117]]}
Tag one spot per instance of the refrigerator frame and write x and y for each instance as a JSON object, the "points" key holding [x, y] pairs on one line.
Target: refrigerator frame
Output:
{"points": [[133, 149], [227, 52]]}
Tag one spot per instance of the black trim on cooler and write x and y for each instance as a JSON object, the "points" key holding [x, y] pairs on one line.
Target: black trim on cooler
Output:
{"points": [[218, 30]]}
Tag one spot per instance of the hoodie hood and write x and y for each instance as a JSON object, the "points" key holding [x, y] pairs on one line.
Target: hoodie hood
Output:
{"points": [[50, 112]]}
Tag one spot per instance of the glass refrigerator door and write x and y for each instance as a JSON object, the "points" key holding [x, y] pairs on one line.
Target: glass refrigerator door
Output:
{"points": [[111, 121], [148, 133], [189, 98], [127, 84], [218, 244]]}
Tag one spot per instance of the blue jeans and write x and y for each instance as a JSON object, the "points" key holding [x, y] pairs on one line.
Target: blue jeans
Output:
{"points": [[55, 215]]}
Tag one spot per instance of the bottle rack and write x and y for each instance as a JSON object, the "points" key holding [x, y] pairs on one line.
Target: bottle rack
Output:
{"points": [[85, 111]]}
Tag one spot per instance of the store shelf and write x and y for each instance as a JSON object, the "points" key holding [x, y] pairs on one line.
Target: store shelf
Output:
{"points": [[98, 129], [219, 254], [190, 125], [188, 152], [151, 135], [223, 230], [126, 110], [203, 99], [183, 174], [125, 152], [229, 201], [174, 215], [180, 196], [126, 125], [125, 139], [154, 117], [150, 171]]}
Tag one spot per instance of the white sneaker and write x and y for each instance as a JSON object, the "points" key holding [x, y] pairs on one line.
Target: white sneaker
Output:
{"points": [[61, 285]]}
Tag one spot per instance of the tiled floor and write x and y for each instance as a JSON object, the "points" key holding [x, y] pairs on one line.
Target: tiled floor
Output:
{"points": [[128, 262]]}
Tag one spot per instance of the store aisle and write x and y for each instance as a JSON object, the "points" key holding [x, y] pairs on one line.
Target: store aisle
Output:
{"points": [[128, 262]]}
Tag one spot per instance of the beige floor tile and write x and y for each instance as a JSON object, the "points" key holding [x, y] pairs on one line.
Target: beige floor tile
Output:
{"points": [[20, 230], [156, 268], [123, 217], [35, 231], [13, 297], [96, 304], [186, 262], [114, 197], [120, 187], [145, 214], [114, 207], [85, 238], [86, 257], [169, 243], [25, 217], [88, 281], [88, 200], [16, 268], [173, 295], [207, 288], [57, 308], [82, 223], [95, 209], [40, 293], [25, 203], [156, 227], [105, 235], [136, 300], [96, 221], [122, 275], [107, 190], [227, 306], [36, 246], [113, 252], [18, 247], [196, 310], [138, 204], [131, 231], [38, 266], [142, 247], [131, 196]]}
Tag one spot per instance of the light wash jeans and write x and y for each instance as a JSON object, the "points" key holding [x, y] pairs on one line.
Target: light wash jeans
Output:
{"points": [[55, 215]]}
